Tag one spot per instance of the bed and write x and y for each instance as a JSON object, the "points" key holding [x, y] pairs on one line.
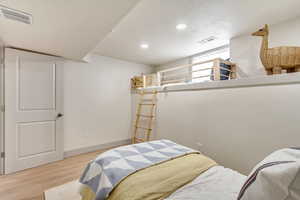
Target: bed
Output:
{"points": [[158, 170]]}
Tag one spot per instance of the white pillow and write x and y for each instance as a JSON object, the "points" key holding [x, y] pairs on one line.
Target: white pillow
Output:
{"points": [[277, 177]]}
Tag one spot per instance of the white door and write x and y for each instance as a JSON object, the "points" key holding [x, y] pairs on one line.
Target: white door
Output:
{"points": [[33, 106]]}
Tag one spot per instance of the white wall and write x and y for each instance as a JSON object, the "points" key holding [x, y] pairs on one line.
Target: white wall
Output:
{"points": [[97, 101], [179, 62], [237, 127], [244, 50]]}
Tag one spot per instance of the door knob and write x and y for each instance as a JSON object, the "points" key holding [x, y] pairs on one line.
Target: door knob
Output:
{"points": [[59, 115]]}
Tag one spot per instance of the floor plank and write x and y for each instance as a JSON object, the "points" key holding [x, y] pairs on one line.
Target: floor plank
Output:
{"points": [[31, 183]]}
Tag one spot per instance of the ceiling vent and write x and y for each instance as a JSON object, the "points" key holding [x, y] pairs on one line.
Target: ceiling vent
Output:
{"points": [[16, 15], [206, 40]]}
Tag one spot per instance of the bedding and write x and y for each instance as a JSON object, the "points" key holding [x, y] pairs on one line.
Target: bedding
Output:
{"points": [[104, 173], [159, 181], [277, 177], [217, 183]]}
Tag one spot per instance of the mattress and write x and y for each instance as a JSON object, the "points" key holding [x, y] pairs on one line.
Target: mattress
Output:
{"points": [[217, 183]]}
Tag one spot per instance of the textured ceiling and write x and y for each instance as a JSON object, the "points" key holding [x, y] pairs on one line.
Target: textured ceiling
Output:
{"points": [[116, 28], [154, 22], [68, 28]]}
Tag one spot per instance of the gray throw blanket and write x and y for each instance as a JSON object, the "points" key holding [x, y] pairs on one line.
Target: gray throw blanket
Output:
{"points": [[108, 169]]}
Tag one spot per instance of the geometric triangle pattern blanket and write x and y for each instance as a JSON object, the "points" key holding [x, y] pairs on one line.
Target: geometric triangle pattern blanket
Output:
{"points": [[111, 167]]}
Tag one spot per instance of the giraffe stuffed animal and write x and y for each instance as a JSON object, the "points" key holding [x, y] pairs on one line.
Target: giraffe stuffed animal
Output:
{"points": [[278, 58]]}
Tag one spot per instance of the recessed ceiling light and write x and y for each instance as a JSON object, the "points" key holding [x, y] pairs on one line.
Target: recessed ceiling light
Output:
{"points": [[144, 46], [181, 26]]}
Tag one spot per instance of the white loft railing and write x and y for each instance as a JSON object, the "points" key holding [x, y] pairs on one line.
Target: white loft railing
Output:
{"points": [[214, 70]]}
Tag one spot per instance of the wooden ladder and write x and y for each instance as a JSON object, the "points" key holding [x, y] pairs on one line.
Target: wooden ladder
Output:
{"points": [[148, 117]]}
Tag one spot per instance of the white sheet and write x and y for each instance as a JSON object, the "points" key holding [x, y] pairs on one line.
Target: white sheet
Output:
{"points": [[217, 183]]}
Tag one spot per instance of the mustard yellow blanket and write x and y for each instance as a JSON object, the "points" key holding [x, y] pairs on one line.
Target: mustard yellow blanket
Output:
{"points": [[158, 181]]}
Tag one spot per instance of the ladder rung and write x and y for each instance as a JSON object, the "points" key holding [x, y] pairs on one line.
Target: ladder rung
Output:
{"points": [[143, 128], [147, 116], [147, 104], [155, 92], [147, 99], [138, 140]]}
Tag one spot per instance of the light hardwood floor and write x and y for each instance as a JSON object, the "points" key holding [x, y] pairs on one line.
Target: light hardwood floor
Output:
{"points": [[30, 184]]}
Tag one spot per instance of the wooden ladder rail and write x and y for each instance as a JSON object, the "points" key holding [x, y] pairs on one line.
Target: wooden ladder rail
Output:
{"points": [[150, 117]]}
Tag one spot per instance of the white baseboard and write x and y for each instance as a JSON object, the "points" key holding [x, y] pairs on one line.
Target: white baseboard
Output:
{"points": [[95, 148]]}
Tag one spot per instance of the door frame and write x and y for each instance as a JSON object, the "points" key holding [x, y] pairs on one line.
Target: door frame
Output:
{"points": [[1, 105]]}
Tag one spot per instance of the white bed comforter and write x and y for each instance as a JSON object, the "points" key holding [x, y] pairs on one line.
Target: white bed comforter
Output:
{"points": [[217, 183]]}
